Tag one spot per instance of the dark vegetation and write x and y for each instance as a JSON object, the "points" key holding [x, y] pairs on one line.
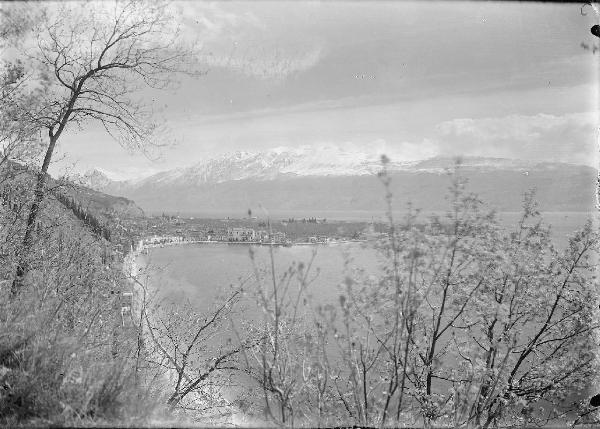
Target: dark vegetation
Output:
{"points": [[86, 217]]}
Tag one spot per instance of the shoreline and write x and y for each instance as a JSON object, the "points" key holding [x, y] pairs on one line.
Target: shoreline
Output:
{"points": [[143, 247]]}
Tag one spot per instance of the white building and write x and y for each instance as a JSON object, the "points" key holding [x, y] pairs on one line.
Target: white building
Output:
{"points": [[163, 240], [241, 234]]}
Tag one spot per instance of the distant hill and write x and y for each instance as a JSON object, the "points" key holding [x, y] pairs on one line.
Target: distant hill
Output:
{"points": [[104, 215], [295, 182], [107, 205]]}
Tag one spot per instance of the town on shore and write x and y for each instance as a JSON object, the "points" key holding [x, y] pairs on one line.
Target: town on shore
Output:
{"points": [[164, 229]]}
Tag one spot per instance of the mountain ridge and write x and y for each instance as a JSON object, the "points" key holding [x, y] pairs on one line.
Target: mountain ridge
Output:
{"points": [[296, 181], [242, 165]]}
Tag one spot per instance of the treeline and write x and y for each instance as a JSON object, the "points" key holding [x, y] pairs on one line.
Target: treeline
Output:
{"points": [[85, 216], [304, 220], [12, 198]]}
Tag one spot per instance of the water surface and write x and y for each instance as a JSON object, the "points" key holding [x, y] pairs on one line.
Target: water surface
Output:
{"points": [[199, 271]]}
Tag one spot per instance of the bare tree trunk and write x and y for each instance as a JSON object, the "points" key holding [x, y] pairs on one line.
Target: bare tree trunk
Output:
{"points": [[40, 192]]}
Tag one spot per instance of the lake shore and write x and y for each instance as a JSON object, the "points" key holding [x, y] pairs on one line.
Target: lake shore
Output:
{"points": [[143, 247]]}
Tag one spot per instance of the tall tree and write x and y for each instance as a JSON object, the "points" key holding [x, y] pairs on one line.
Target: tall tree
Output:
{"points": [[18, 140], [88, 63]]}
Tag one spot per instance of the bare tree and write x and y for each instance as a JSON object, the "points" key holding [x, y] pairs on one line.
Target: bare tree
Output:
{"points": [[187, 350], [534, 353], [88, 63]]}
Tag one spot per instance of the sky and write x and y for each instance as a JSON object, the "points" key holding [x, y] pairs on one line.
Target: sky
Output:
{"points": [[409, 79]]}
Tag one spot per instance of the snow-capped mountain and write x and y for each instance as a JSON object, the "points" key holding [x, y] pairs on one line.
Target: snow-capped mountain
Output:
{"points": [[243, 165], [331, 179], [96, 179], [270, 165], [291, 163]]}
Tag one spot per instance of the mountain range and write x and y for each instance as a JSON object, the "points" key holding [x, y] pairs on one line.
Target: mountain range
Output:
{"points": [[300, 181]]}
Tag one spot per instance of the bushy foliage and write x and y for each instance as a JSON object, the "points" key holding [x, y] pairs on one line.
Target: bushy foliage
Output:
{"points": [[64, 356], [468, 325]]}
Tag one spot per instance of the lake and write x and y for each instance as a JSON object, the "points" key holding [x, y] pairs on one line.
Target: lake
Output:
{"points": [[199, 271]]}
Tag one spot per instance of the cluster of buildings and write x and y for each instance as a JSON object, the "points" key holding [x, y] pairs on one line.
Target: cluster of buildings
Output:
{"points": [[243, 234], [248, 235], [165, 230], [158, 240], [319, 239]]}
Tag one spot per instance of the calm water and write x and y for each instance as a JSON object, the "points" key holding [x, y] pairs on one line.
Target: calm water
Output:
{"points": [[199, 271]]}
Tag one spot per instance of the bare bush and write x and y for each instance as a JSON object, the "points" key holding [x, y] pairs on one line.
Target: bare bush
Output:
{"points": [[86, 63], [468, 325], [57, 338]]}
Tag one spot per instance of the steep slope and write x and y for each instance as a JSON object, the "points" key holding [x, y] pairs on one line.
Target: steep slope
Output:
{"points": [[111, 217], [105, 204]]}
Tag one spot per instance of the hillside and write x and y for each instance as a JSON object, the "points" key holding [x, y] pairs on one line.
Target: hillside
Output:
{"points": [[104, 204], [63, 340], [114, 218]]}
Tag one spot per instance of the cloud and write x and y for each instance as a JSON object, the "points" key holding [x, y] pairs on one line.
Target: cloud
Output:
{"points": [[352, 152], [401, 151], [237, 40], [569, 138], [209, 21], [566, 138], [267, 64]]}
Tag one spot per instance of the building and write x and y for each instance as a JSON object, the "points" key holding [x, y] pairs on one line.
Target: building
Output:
{"points": [[241, 234], [155, 240], [278, 237], [262, 235]]}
